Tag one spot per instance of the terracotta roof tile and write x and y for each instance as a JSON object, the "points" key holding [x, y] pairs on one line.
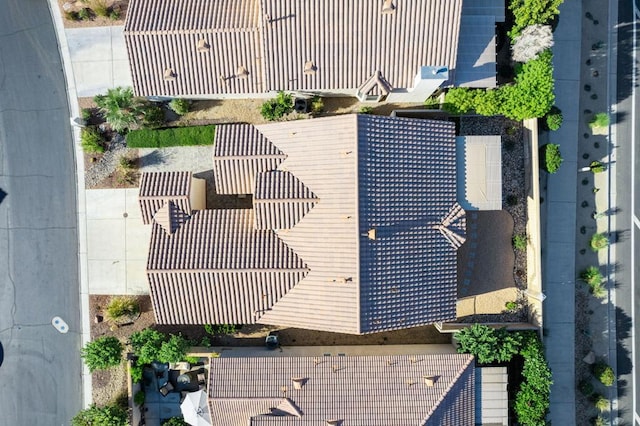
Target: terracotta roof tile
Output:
{"points": [[156, 188]]}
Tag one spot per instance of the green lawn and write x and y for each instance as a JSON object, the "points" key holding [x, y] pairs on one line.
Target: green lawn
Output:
{"points": [[176, 136]]}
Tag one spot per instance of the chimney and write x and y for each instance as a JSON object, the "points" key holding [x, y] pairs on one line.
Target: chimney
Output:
{"points": [[388, 7], [430, 380], [298, 382]]}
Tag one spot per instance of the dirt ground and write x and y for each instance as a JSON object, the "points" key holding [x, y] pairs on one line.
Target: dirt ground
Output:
{"points": [[120, 6]]}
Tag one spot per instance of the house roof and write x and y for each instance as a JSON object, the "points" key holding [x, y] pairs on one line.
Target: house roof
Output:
{"points": [[199, 47], [240, 152], [156, 188], [357, 390]]}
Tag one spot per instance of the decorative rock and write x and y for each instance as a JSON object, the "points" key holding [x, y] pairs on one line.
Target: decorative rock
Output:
{"points": [[67, 7], [590, 358]]}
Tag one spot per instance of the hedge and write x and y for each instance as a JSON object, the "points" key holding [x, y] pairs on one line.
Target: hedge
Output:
{"points": [[176, 136]]}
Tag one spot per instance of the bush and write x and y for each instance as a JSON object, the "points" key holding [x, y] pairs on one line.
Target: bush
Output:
{"points": [[122, 306], [100, 8], [114, 15], [599, 421], [597, 167], [91, 140], [174, 421], [277, 107], [585, 387], [488, 344], [460, 100], [604, 373], [176, 136], [146, 345], [138, 398], [86, 114], [512, 200], [520, 242], [599, 291], [71, 15], [102, 353], [532, 12], [365, 110], [532, 399], [179, 106], [205, 341], [216, 329], [511, 306], [84, 14], [592, 276], [110, 415], [120, 108], [317, 105], [598, 242], [601, 403], [173, 350], [599, 121], [552, 159], [152, 116], [554, 118]]}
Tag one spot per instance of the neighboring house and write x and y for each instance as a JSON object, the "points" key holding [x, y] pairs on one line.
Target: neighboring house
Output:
{"points": [[398, 50], [407, 390], [354, 228]]}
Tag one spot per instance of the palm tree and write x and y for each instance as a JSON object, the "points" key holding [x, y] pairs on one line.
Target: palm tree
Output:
{"points": [[120, 108]]}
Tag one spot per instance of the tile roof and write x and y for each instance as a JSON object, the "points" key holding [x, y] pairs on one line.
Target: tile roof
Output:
{"points": [[240, 152], [358, 390], [156, 188], [202, 47], [216, 268], [281, 200]]}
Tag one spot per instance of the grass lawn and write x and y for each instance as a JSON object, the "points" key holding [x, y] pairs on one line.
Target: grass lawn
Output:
{"points": [[176, 136]]}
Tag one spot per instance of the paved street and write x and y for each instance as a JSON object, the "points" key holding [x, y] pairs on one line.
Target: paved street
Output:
{"points": [[41, 372]]}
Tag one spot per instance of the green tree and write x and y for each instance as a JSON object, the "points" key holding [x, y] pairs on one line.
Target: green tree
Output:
{"points": [[599, 121], [598, 241], [173, 350], [120, 108], [277, 107], [110, 415], [175, 421], [601, 403], [532, 399], [604, 373], [460, 100], [531, 12], [592, 276], [102, 353], [91, 140], [488, 344], [146, 345]]}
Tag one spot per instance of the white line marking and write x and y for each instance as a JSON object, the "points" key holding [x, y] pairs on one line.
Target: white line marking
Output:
{"points": [[635, 220], [637, 418]]}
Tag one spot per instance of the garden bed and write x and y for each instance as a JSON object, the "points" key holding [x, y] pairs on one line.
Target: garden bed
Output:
{"points": [[114, 12]]}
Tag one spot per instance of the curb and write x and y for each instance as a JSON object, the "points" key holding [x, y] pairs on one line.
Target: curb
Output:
{"points": [[74, 110]]}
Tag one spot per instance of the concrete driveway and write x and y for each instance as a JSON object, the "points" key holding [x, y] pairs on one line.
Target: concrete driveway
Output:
{"points": [[99, 59], [117, 242]]}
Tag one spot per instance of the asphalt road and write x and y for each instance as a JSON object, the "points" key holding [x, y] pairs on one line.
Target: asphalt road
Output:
{"points": [[627, 186], [40, 378]]}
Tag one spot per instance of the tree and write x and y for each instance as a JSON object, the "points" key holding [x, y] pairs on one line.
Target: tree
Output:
{"points": [[488, 344], [601, 403], [599, 121], [110, 415], [533, 40], [102, 353], [532, 12], [120, 108], [592, 276], [146, 345], [460, 100], [277, 107], [173, 350], [598, 242], [175, 421], [604, 373]]}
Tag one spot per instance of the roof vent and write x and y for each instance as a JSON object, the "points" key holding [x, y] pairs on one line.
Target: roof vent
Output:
{"points": [[334, 422], [342, 280], [284, 389], [310, 68], [242, 72], [169, 74], [203, 45], [430, 380], [372, 234], [388, 6], [298, 382]]}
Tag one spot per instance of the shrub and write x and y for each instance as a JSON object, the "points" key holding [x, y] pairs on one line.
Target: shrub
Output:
{"points": [[592, 276], [86, 114], [152, 116], [512, 200], [511, 306], [215, 329], [365, 110], [71, 15], [599, 421], [598, 242], [138, 398], [531, 12], [599, 121], [208, 328], [599, 291], [126, 170], [460, 100], [177, 136], [604, 373], [552, 159], [114, 15], [84, 14], [174, 421], [205, 341], [554, 118], [122, 306], [532, 399], [136, 373], [317, 105], [585, 387], [173, 350], [488, 344], [100, 8], [533, 40], [146, 345], [120, 108], [102, 353], [110, 415], [520, 242], [91, 140], [601, 403], [277, 107], [597, 167], [179, 106]]}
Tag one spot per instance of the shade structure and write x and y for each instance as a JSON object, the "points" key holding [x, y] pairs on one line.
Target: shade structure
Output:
{"points": [[195, 410]]}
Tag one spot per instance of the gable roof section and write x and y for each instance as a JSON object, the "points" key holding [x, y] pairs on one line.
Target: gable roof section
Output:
{"points": [[407, 184], [156, 188], [348, 41], [170, 217], [216, 268], [359, 390], [210, 47], [241, 152], [203, 47], [281, 200]]}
